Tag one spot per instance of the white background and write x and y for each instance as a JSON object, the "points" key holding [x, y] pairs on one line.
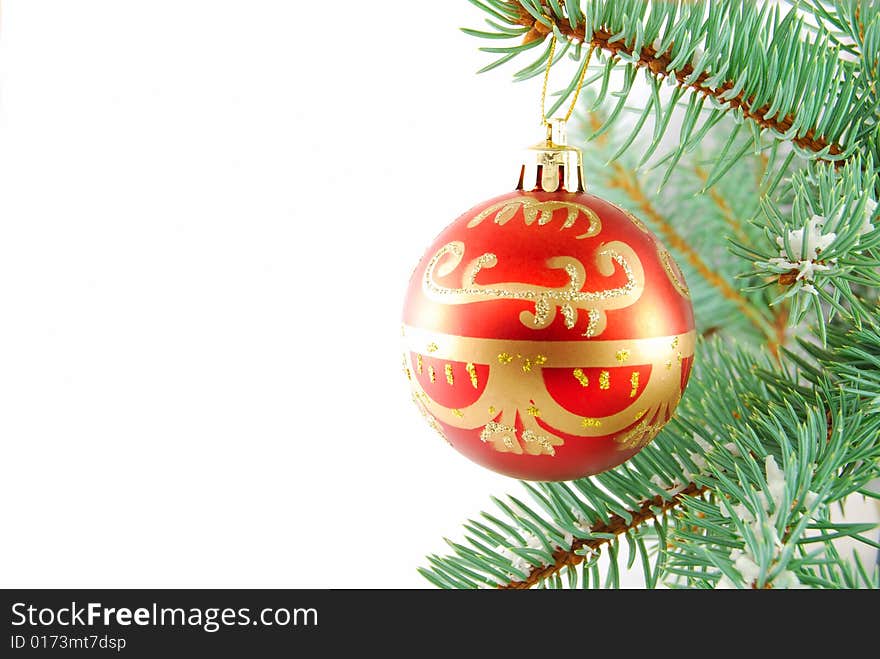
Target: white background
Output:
{"points": [[209, 211]]}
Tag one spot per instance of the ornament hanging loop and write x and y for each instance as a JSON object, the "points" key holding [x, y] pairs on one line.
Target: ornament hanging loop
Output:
{"points": [[552, 165]]}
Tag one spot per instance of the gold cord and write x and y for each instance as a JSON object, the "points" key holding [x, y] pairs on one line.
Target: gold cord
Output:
{"points": [[547, 78], [577, 89]]}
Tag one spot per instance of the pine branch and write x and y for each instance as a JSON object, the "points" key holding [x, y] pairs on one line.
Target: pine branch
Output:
{"points": [[615, 525], [827, 244], [778, 335], [772, 443], [773, 73], [658, 64]]}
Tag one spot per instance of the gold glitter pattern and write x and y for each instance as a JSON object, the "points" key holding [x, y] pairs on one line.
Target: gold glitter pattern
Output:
{"points": [[431, 374], [531, 438], [542, 311], [419, 364], [637, 438], [450, 380], [542, 211], [632, 218], [604, 380], [569, 315], [492, 427], [432, 347], [528, 362], [533, 411], [472, 373], [545, 299], [581, 377], [634, 381], [593, 316], [507, 394], [622, 356], [498, 433], [666, 261], [664, 257], [503, 438]]}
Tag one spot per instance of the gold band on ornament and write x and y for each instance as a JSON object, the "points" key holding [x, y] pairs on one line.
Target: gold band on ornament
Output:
{"points": [[513, 389], [556, 354]]}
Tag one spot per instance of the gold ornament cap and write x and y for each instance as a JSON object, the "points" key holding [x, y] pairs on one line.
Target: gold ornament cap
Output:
{"points": [[552, 165]]}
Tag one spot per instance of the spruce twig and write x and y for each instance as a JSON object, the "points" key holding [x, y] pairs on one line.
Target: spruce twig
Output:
{"points": [[657, 63], [777, 426], [615, 525]]}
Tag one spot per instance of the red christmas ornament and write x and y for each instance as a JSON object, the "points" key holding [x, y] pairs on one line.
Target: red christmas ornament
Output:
{"points": [[548, 333]]}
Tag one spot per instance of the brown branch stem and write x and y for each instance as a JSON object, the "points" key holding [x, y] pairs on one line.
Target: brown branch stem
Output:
{"points": [[780, 327], [614, 525], [658, 64]]}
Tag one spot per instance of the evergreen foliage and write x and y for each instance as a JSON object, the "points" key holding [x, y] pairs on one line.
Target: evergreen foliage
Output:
{"points": [[757, 165]]}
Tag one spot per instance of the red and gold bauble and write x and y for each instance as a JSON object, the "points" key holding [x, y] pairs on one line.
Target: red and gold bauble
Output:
{"points": [[548, 333]]}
